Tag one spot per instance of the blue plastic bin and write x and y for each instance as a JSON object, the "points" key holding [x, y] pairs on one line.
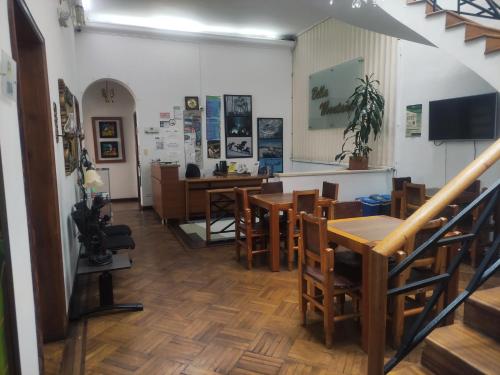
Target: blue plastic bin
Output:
{"points": [[370, 206], [384, 201]]}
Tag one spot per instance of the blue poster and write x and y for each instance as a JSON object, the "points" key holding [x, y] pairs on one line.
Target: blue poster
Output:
{"points": [[213, 126]]}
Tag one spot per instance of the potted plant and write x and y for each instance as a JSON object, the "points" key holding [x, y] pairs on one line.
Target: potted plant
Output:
{"points": [[366, 116]]}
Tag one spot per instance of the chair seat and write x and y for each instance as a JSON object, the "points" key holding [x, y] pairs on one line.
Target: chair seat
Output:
{"points": [[258, 229], [340, 281], [115, 230], [120, 242]]}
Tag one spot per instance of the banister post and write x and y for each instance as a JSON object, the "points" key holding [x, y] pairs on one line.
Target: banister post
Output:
{"points": [[377, 312]]}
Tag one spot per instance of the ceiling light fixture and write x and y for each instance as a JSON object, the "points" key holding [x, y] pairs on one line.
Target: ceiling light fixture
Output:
{"points": [[108, 94], [356, 4], [169, 23]]}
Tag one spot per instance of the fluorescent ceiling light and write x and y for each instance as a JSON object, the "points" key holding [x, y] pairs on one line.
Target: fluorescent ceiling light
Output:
{"points": [[87, 4], [181, 24]]}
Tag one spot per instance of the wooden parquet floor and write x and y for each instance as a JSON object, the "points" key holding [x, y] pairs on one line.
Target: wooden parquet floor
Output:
{"points": [[206, 314]]}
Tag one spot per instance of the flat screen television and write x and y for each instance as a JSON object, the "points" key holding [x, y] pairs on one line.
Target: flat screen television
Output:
{"points": [[468, 118]]}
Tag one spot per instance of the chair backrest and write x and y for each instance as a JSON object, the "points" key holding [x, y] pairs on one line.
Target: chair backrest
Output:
{"points": [[398, 182], [305, 201], [192, 171], [314, 243], [241, 203], [413, 198], [435, 257], [330, 190], [345, 210], [272, 187]]}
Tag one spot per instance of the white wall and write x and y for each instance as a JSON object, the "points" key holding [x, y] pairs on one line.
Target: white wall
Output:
{"points": [[123, 176], [352, 184], [425, 74], [160, 73], [61, 64]]}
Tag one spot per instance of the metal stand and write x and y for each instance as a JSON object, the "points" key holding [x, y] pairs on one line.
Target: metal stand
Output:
{"points": [[106, 295]]}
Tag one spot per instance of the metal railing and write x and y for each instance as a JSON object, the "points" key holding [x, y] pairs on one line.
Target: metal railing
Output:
{"points": [[490, 263], [378, 265], [476, 8]]}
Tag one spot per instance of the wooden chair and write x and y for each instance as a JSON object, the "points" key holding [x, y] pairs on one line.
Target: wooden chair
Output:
{"points": [[303, 201], [272, 187], [397, 195], [432, 263], [348, 262], [330, 190], [245, 224], [316, 272], [413, 198]]}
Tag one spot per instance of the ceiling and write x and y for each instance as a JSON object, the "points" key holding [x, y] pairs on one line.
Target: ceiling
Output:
{"points": [[266, 19]]}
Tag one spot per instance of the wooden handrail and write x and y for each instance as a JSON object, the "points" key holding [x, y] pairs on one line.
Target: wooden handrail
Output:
{"points": [[396, 239]]}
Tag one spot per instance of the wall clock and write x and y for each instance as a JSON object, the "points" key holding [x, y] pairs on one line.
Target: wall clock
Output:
{"points": [[192, 103]]}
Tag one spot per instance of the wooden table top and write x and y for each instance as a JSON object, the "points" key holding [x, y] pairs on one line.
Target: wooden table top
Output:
{"points": [[364, 230], [278, 199]]}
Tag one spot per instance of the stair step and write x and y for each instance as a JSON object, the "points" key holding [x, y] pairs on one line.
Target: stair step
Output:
{"points": [[411, 369], [454, 20], [492, 44], [482, 310], [474, 31], [458, 350]]}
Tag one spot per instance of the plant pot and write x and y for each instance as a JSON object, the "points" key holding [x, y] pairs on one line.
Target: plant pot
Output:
{"points": [[358, 163]]}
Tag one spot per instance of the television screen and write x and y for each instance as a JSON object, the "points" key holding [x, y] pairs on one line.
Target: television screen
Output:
{"points": [[471, 117]]}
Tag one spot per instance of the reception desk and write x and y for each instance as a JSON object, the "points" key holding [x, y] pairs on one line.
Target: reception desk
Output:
{"points": [[175, 198]]}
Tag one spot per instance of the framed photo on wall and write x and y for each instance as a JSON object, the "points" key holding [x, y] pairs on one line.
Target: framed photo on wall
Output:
{"points": [[238, 124], [108, 140], [270, 143]]}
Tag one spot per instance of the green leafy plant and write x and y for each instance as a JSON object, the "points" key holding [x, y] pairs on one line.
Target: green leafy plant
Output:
{"points": [[366, 115]]}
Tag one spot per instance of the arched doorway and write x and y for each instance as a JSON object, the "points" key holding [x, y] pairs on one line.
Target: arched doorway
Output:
{"points": [[110, 125]]}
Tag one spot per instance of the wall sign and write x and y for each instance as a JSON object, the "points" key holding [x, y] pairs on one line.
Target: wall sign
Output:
{"points": [[193, 148], [108, 140], [8, 72], [213, 127], [238, 119], [270, 144], [329, 91], [414, 120]]}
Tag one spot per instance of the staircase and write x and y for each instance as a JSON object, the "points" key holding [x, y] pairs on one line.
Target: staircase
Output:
{"points": [[471, 347], [475, 45]]}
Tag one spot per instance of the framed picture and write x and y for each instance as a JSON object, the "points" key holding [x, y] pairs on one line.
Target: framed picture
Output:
{"points": [[192, 103], [108, 140], [270, 143], [239, 127], [270, 128], [237, 105], [239, 147]]}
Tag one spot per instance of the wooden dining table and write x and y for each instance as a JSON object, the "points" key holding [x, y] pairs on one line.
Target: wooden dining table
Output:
{"points": [[274, 204], [360, 235]]}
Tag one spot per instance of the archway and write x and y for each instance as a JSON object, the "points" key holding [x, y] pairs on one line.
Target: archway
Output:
{"points": [[110, 126]]}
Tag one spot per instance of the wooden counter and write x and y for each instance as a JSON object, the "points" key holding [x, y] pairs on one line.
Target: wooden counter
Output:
{"points": [[175, 198]]}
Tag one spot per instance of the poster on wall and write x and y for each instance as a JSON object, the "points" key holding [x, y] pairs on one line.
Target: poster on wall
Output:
{"points": [[238, 120], [329, 92], [414, 120], [192, 138], [213, 127], [270, 143], [108, 140]]}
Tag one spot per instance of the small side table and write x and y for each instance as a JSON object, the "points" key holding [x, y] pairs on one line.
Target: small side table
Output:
{"points": [[106, 298]]}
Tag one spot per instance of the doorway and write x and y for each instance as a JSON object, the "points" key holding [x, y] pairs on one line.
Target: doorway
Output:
{"points": [[40, 179], [109, 103]]}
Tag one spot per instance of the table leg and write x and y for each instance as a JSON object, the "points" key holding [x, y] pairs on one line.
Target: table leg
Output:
{"points": [[274, 239], [364, 302]]}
